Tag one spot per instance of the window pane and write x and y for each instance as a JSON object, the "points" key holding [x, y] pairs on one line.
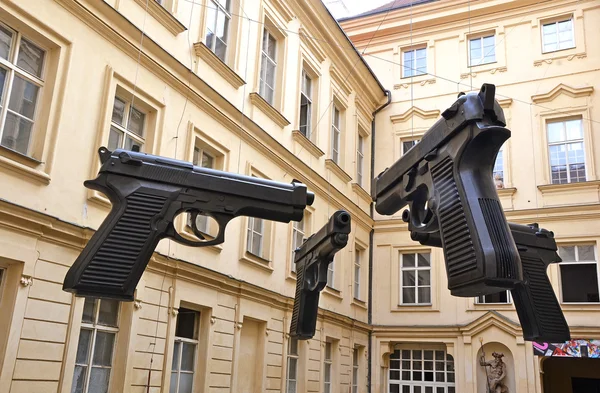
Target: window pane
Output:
{"points": [[211, 19], [408, 260], [272, 47], [574, 129], [103, 349], [586, 253], [424, 277], [78, 379], [556, 132], [423, 259], [115, 139], [292, 362], [31, 58], [17, 133], [2, 82], [130, 142], [185, 383], [99, 378], [293, 346], [185, 326], [220, 49], [23, 97], [136, 121], [408, 295], [83, 346], [579, 283], [567, 253], [408, 278], [118, 111], [173, 385], [88, 310], [256, 244], [109, 312], [176, 355], [187, 357], [5, 42], [424, 295]]}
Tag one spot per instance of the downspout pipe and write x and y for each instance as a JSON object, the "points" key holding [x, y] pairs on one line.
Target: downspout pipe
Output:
{"points": [[371, 207]]}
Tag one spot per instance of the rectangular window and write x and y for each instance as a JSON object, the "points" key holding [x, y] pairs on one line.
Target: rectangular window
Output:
{"points": [[205, 160], [21, 81], [415, 278], [305, 105], [255, 240], [360, 157], [566, 151], [327, 368], [331, 273], [127, 127], [414, 62], [184, 351], [268, 66], [97, 337], [494, 298], [407, 145], [498, 171], [482, 50], [421, 371], [355, 370], [558, 35], [218, 19], [297, 238], [335, 135], [292, 366], [579, 274], [357, 260]]}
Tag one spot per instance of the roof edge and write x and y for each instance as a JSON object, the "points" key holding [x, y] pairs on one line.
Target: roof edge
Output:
{"points": [[378, 10]]}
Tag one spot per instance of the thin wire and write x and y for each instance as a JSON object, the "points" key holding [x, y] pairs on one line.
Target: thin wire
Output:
{"points": [[244, 88]]}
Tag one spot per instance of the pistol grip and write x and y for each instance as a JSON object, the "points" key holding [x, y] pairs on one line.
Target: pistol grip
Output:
{"points": [[306, 307], [112, 263]]}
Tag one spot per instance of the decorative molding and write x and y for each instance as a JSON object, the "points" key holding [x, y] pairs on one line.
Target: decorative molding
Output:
{"points": [[550, 60], [339, 79], [432, 114], [161, 14], [26, 281], [361, 192], [335, 168], [137, 304], [505, 103], [573, 92], [21, 169], [283, 9], [257, 261], [204, 52], [307, 144], [310, 43], [423, 82], [269, 110], [491, 71]]}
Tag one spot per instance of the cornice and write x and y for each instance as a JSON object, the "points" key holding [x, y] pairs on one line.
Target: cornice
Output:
{"points": [[311, 44], [361, 193], [335, 168], [339, 79], [258, 101], [159, 13], [424, 114], [573, 92], [307, 144], [203, 52], [505, 103], [283, 9]]}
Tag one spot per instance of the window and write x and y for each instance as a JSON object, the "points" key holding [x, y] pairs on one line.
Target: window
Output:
{"points": [[268, 65], [421, 371], [360, 157], [327, 362], [565, 144], [494, 298], [415, 278], [184, 351], [298, 233], [306, 105], [127, 127], [357, 259], [205, 160], [97, 337], [21, 80], [218, 18], [414, 62], [558, 35], [355, 370], [482, 50], [407, 145], [579, 274], [292, 366], [498, 171], [254, 243], [335, 135], [331, 272]]}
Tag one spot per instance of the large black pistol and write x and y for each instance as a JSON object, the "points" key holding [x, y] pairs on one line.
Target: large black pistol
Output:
{"points": [[312, 259], [446, 180], [147, 193]]}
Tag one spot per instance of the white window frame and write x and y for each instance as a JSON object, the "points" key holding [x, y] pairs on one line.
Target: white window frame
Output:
{"points": [[336, 134], [306, 92], [13, 70], [481, 299], [183, 341], [95, 327], [567, 142], [556, 24], [403, 149], [260, 234], [357, 268], [416, 287], [289, 381], [409, 71], [397, 360], [577, 262], [481, 59], [327, 366], [264, 56], [124, 127], [360, 157], [298, 232], [355, 366], [218, 9], [331, 273]]}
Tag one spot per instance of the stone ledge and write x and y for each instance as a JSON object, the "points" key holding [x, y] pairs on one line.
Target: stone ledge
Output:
{"points": [[361, 192], [307, 144], [257, 100], [204, 52], [23, 165], [335, 168], [159, 13]]}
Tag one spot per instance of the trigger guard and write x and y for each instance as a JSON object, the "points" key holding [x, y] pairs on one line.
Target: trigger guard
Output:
{"points": [[195, 229]]}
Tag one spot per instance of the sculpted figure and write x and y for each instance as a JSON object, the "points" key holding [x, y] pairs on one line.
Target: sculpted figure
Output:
{"points": [[496, 373]]}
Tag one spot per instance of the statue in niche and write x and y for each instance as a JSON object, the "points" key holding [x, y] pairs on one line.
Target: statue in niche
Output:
{"points": [[496, 373]]}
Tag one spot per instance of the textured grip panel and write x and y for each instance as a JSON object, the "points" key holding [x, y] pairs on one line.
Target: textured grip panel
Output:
{"points": [[501, 238], [297, 301], [458, 246], [113, 263], [537, 307], [306, 306]]}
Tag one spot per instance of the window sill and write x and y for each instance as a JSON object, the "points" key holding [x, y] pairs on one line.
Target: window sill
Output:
{"points": [[361, 192], [97, 197], [559, 188], [335, 168], [159, 13], [307, 144], [550, 57], [491, 306], [415, 307], [332, 292], [257, 100], [594, 307], [204, 52], [506, 197], [256, 261], [24, 165], [359, 303]]}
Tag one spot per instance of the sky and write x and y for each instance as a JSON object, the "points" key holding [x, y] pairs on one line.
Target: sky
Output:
{"points": [[352, 7]]}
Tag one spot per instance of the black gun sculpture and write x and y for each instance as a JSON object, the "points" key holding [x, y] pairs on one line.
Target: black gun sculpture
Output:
{"points": [[147, 193], [537, 307], [446, 179], [312, 259]]}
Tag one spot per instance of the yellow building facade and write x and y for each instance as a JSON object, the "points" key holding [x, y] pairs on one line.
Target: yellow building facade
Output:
{"points": [[252, 87], [543, 58]]}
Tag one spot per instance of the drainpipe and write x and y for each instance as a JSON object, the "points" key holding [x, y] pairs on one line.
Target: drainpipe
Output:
{"points": [[370, 300]]}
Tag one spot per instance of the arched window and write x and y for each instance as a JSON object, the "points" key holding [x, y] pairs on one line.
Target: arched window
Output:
{"points": [[421, 371]]}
